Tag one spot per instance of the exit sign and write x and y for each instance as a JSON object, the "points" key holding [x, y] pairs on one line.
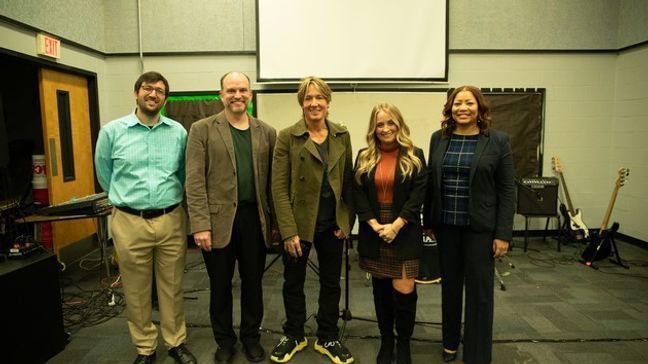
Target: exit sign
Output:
{"points": [[48, 46]]}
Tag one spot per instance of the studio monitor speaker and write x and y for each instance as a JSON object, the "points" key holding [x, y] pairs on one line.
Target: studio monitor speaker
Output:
{"points": [[537, 196]]}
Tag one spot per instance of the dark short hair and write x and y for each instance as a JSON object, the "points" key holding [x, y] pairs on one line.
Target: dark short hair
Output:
{"points": [[152, 77], [483, 121], [229, 73]]}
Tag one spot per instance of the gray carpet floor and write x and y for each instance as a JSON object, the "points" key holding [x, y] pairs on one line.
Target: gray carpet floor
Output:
{"points": [[552, 310]]}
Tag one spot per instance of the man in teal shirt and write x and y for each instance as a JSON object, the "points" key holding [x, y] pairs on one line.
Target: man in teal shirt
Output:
{"points": [[140, 163]]}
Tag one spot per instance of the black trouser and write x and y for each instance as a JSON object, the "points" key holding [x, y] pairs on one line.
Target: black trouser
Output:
{"points": [[329, 257], [467, 256], [248, 248]]}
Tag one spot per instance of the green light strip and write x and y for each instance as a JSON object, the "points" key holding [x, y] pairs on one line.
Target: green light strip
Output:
{"points": [[250, 108]]}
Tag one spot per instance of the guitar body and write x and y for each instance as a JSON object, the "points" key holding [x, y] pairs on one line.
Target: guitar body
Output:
{"points": [[574, 233], [600, 246], [576, 223], [577, 228]]}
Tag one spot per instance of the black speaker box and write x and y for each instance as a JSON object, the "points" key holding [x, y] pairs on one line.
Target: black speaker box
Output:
{"points": [[30, 309], [537, 196]]}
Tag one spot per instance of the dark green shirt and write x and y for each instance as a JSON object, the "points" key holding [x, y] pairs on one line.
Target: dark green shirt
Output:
{"points": [[244, 167]]}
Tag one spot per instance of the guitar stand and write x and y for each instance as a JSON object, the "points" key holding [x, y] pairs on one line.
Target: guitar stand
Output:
{"points": [[614, 250], [563, 232], [616, 259]]}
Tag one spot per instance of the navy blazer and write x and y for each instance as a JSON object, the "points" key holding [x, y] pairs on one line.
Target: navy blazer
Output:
{"points": [[492, 185], [409, 194]]}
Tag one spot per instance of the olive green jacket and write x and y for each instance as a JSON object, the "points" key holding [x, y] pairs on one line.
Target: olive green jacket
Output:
{"points": [[297, 173]]}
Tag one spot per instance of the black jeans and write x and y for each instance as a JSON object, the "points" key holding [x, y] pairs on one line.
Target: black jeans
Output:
{"points": [[329, 256], [248, 248]]}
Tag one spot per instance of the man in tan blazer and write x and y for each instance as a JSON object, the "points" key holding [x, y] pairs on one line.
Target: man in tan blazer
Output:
{"points": [[228, 160]]}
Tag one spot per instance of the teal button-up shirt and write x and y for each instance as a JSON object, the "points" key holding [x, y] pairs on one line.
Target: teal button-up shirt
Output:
{"points": [[141, 167]]}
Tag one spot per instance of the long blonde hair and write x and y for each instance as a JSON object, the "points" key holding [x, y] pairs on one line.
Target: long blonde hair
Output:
{"points": [[369, 158]]}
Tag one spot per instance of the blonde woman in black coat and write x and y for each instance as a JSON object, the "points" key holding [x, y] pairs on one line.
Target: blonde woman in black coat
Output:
{"points": [[389, 191]]}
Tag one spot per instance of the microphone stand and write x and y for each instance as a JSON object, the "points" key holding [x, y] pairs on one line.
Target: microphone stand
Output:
{"points": [[346, 313]]}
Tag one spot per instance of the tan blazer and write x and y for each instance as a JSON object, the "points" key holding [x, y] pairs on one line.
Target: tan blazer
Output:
{"points": [[297, 180], [211, 185]]}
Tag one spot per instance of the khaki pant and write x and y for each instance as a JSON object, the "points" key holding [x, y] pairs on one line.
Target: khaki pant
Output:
{"points": [[142, 244]]}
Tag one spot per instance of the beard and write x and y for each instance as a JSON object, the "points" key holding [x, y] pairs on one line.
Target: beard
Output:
{"points": [[141, 105], [236, 108]]}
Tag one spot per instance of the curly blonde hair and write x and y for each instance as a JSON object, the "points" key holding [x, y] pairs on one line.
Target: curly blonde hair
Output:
{"points": [[408, 162]]}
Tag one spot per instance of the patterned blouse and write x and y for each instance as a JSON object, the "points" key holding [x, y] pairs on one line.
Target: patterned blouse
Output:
{"points": [[456, 179]]}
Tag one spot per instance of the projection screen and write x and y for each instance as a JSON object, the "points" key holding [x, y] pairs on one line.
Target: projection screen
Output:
{"points": [[352, 40]]}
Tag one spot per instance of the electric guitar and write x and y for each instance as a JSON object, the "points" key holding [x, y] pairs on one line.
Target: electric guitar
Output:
{"points": [[578, 228], [600, 245]]}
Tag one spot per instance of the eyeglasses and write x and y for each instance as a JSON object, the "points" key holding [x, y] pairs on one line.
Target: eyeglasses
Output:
{"points": [[150, 89]]}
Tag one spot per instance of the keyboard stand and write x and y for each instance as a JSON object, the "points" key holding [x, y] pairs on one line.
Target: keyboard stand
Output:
{"points": [[102, 228]]}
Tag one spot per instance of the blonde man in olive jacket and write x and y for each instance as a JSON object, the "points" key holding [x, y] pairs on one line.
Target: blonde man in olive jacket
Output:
{"points": [[312, 182]]}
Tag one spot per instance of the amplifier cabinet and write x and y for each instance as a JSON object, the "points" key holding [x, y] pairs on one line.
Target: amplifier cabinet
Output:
{"points": [[30, 309], [537, 196]]}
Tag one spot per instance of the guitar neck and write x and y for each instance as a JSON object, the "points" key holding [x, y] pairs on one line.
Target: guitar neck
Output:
{"points": [[608, 212], [570, 207]]}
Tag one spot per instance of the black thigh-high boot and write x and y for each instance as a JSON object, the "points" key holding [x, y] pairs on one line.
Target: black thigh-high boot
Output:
{"points": [[384, 304], [405, 309]]}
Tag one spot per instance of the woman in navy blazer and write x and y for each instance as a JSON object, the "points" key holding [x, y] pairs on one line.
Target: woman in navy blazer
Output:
{"points": [[470, 208], [389, 190]]}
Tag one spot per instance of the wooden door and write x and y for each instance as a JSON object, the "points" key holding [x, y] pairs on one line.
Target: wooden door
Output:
{"points": [[65, 113]]}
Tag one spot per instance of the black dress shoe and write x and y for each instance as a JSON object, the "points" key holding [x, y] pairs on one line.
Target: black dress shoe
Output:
{"points": [[144, 359], [448, 357], [182, 355], [254, 352], [224, 354]]}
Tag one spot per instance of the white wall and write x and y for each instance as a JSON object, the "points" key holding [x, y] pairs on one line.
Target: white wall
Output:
{"points": [[80, 21], [629, 142], [181, 26], [593, 134], [534, 24], [184, 73], [595, 108], [230, 25]]}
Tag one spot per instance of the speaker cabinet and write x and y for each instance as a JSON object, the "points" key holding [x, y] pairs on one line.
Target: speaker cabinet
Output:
{"points": [[537, 196], [30, 309]]}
